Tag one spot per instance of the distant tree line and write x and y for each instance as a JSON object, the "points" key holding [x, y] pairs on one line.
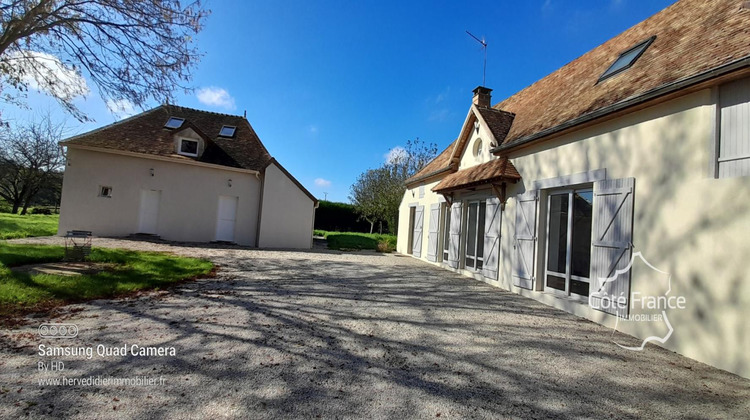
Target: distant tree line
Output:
{"points": [[339, 217]]}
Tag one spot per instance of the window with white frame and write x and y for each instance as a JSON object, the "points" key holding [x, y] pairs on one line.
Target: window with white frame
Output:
{"points": [[733, 130], [188, 147], [569, 221]]}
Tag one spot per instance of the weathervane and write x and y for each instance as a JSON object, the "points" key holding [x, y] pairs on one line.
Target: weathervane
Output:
{"points": [[484, 47]]}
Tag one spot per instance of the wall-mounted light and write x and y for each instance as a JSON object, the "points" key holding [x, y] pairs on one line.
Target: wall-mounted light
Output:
{"points": [[412, 193], [229, 182], [151, 171]]}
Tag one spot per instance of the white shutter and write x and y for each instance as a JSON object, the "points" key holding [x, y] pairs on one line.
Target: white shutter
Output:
{"points": [[455, 238], [492, 223], [525, 239], [612, 245], [417, 237], [434, 233]]}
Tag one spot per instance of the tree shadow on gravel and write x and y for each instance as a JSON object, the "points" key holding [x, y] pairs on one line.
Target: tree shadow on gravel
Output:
{"points": [[334, 337]]}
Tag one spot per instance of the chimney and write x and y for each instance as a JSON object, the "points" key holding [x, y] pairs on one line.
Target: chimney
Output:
{"points": [[482, 97]]}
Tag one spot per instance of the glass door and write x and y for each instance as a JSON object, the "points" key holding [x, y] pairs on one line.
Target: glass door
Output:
{"points": [[569, 216], [446, 230], [475, 235]]}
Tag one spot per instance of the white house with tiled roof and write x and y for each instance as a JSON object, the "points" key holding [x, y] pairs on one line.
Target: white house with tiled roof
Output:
{"points": [[617, 188], [185, 175]]}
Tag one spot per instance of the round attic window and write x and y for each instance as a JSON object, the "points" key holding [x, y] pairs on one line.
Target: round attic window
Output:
{"points": [[478, 147]]}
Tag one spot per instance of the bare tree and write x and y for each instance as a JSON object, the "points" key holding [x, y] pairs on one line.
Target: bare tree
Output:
{"points": [[412, 158], [131, 50], [30, 159]]}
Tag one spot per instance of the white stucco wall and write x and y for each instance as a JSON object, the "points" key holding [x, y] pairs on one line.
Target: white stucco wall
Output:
{"points": [[469, 159], [411, 198], [685, 222], [287, 212], [188, 205]]}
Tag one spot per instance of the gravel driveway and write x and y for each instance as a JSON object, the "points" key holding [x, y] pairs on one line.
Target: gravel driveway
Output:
{"points": [[320, 334]]}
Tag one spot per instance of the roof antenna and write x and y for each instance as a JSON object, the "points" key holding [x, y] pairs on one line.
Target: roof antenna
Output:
{"points": [[244, 114], [484, 47]]}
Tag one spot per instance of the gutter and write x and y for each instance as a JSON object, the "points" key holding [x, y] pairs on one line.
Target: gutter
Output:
{"points": [[161, 158], [645, 97]]}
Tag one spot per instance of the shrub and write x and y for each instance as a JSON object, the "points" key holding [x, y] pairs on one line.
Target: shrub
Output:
{"points": [[385, 246], [355, 241], [41, 210]]}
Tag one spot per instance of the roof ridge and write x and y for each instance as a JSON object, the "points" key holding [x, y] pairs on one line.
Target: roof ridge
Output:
{"points": [[203, 111], [499, 110]]}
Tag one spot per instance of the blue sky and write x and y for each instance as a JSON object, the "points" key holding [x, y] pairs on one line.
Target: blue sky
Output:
{"points": [[332, 86]]}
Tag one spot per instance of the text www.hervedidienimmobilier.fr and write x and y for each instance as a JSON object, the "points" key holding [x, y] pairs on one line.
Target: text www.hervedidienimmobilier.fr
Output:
{"points": [[102, 381]]}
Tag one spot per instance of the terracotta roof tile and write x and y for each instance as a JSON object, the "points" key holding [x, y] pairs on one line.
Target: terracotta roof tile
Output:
{"points": [[498, 121], [488, 172], [692, 37], [145, 133]]}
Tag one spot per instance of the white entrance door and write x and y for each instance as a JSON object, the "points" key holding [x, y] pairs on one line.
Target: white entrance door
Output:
{"points": [[149, 212], [227, 216]]}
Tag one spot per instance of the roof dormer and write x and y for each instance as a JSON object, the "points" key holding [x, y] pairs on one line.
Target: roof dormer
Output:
{"points": [[188, 142], [484, 128]]}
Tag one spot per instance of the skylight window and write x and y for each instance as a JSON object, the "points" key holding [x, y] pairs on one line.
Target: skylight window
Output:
{"points": [[626, 59], [174, 122], [227, 131]]}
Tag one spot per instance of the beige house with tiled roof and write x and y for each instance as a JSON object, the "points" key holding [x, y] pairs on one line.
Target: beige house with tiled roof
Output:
{"points": [[185, 175], [617, 188]]}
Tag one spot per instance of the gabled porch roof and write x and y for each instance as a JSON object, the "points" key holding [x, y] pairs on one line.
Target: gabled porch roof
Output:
{"points": [[496, 170]]}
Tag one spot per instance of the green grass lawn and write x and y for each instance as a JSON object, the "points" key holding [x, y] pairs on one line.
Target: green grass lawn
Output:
{"points": [[128, 271], [17, 226], [354, 241]]}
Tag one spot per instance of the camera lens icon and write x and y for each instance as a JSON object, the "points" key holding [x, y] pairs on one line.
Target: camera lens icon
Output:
{"points": [[58, 330]]}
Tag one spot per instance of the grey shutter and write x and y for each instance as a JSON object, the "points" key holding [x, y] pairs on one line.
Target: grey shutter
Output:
{"points": [[455, 239], [612, 244], [434, 233], [492, 223], [417, 242], [734, 132], [525, 239]]}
